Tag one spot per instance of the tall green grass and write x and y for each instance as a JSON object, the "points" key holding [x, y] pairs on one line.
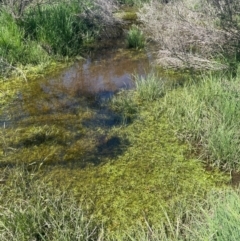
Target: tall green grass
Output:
{"points": [[58, 27], [13, 48], [150, 87], [135, 38], [218, 219], [32, 209], [207, 114]]}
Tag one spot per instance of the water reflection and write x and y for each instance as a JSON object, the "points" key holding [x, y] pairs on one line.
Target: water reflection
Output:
{"points": [[109, 70]]}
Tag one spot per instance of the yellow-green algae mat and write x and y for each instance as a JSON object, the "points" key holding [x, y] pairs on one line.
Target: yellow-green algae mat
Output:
{"points": [[153, 175], [154, 172]]}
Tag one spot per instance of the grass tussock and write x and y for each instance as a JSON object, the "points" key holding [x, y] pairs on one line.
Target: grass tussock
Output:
{"points": [[150, 87], [135, 38]]}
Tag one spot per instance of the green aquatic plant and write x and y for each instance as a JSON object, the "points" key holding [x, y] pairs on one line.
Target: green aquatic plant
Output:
{"points": [[33, 208], [154, 172], [135, 38], [123, 175]]}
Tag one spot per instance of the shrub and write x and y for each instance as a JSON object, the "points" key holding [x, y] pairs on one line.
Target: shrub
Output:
{"points": [[193, 34]]}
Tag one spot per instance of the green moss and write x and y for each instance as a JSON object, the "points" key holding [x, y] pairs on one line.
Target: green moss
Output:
{"points": [[126, 15], [154, 174], [124, 174]]}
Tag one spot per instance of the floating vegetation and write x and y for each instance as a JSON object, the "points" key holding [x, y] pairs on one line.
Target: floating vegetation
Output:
{"points": [[155, 172]]}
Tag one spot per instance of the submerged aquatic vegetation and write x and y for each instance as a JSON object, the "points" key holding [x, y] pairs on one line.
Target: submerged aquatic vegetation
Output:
{"points": [[154, 173]]}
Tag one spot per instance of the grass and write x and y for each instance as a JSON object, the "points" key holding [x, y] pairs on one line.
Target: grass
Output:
{"points": [[57, 28], [206, 114], [218, 218], [135, 38], [33, 209], [12, 49], [149, 88], [50, 31], [125, 174], [123, 103]]}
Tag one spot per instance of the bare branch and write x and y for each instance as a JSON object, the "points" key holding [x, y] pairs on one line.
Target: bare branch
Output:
{"points": [[186, 32]]}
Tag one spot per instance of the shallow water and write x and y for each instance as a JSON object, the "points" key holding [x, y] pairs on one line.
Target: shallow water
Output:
{"points": [[125, 174], [105, 71]]}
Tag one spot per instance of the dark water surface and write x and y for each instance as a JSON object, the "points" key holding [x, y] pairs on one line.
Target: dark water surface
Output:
{"points": [[108, 70]]}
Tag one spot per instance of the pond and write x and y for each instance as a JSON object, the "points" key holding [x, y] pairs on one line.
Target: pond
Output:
{"points": [[122, 174]]}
